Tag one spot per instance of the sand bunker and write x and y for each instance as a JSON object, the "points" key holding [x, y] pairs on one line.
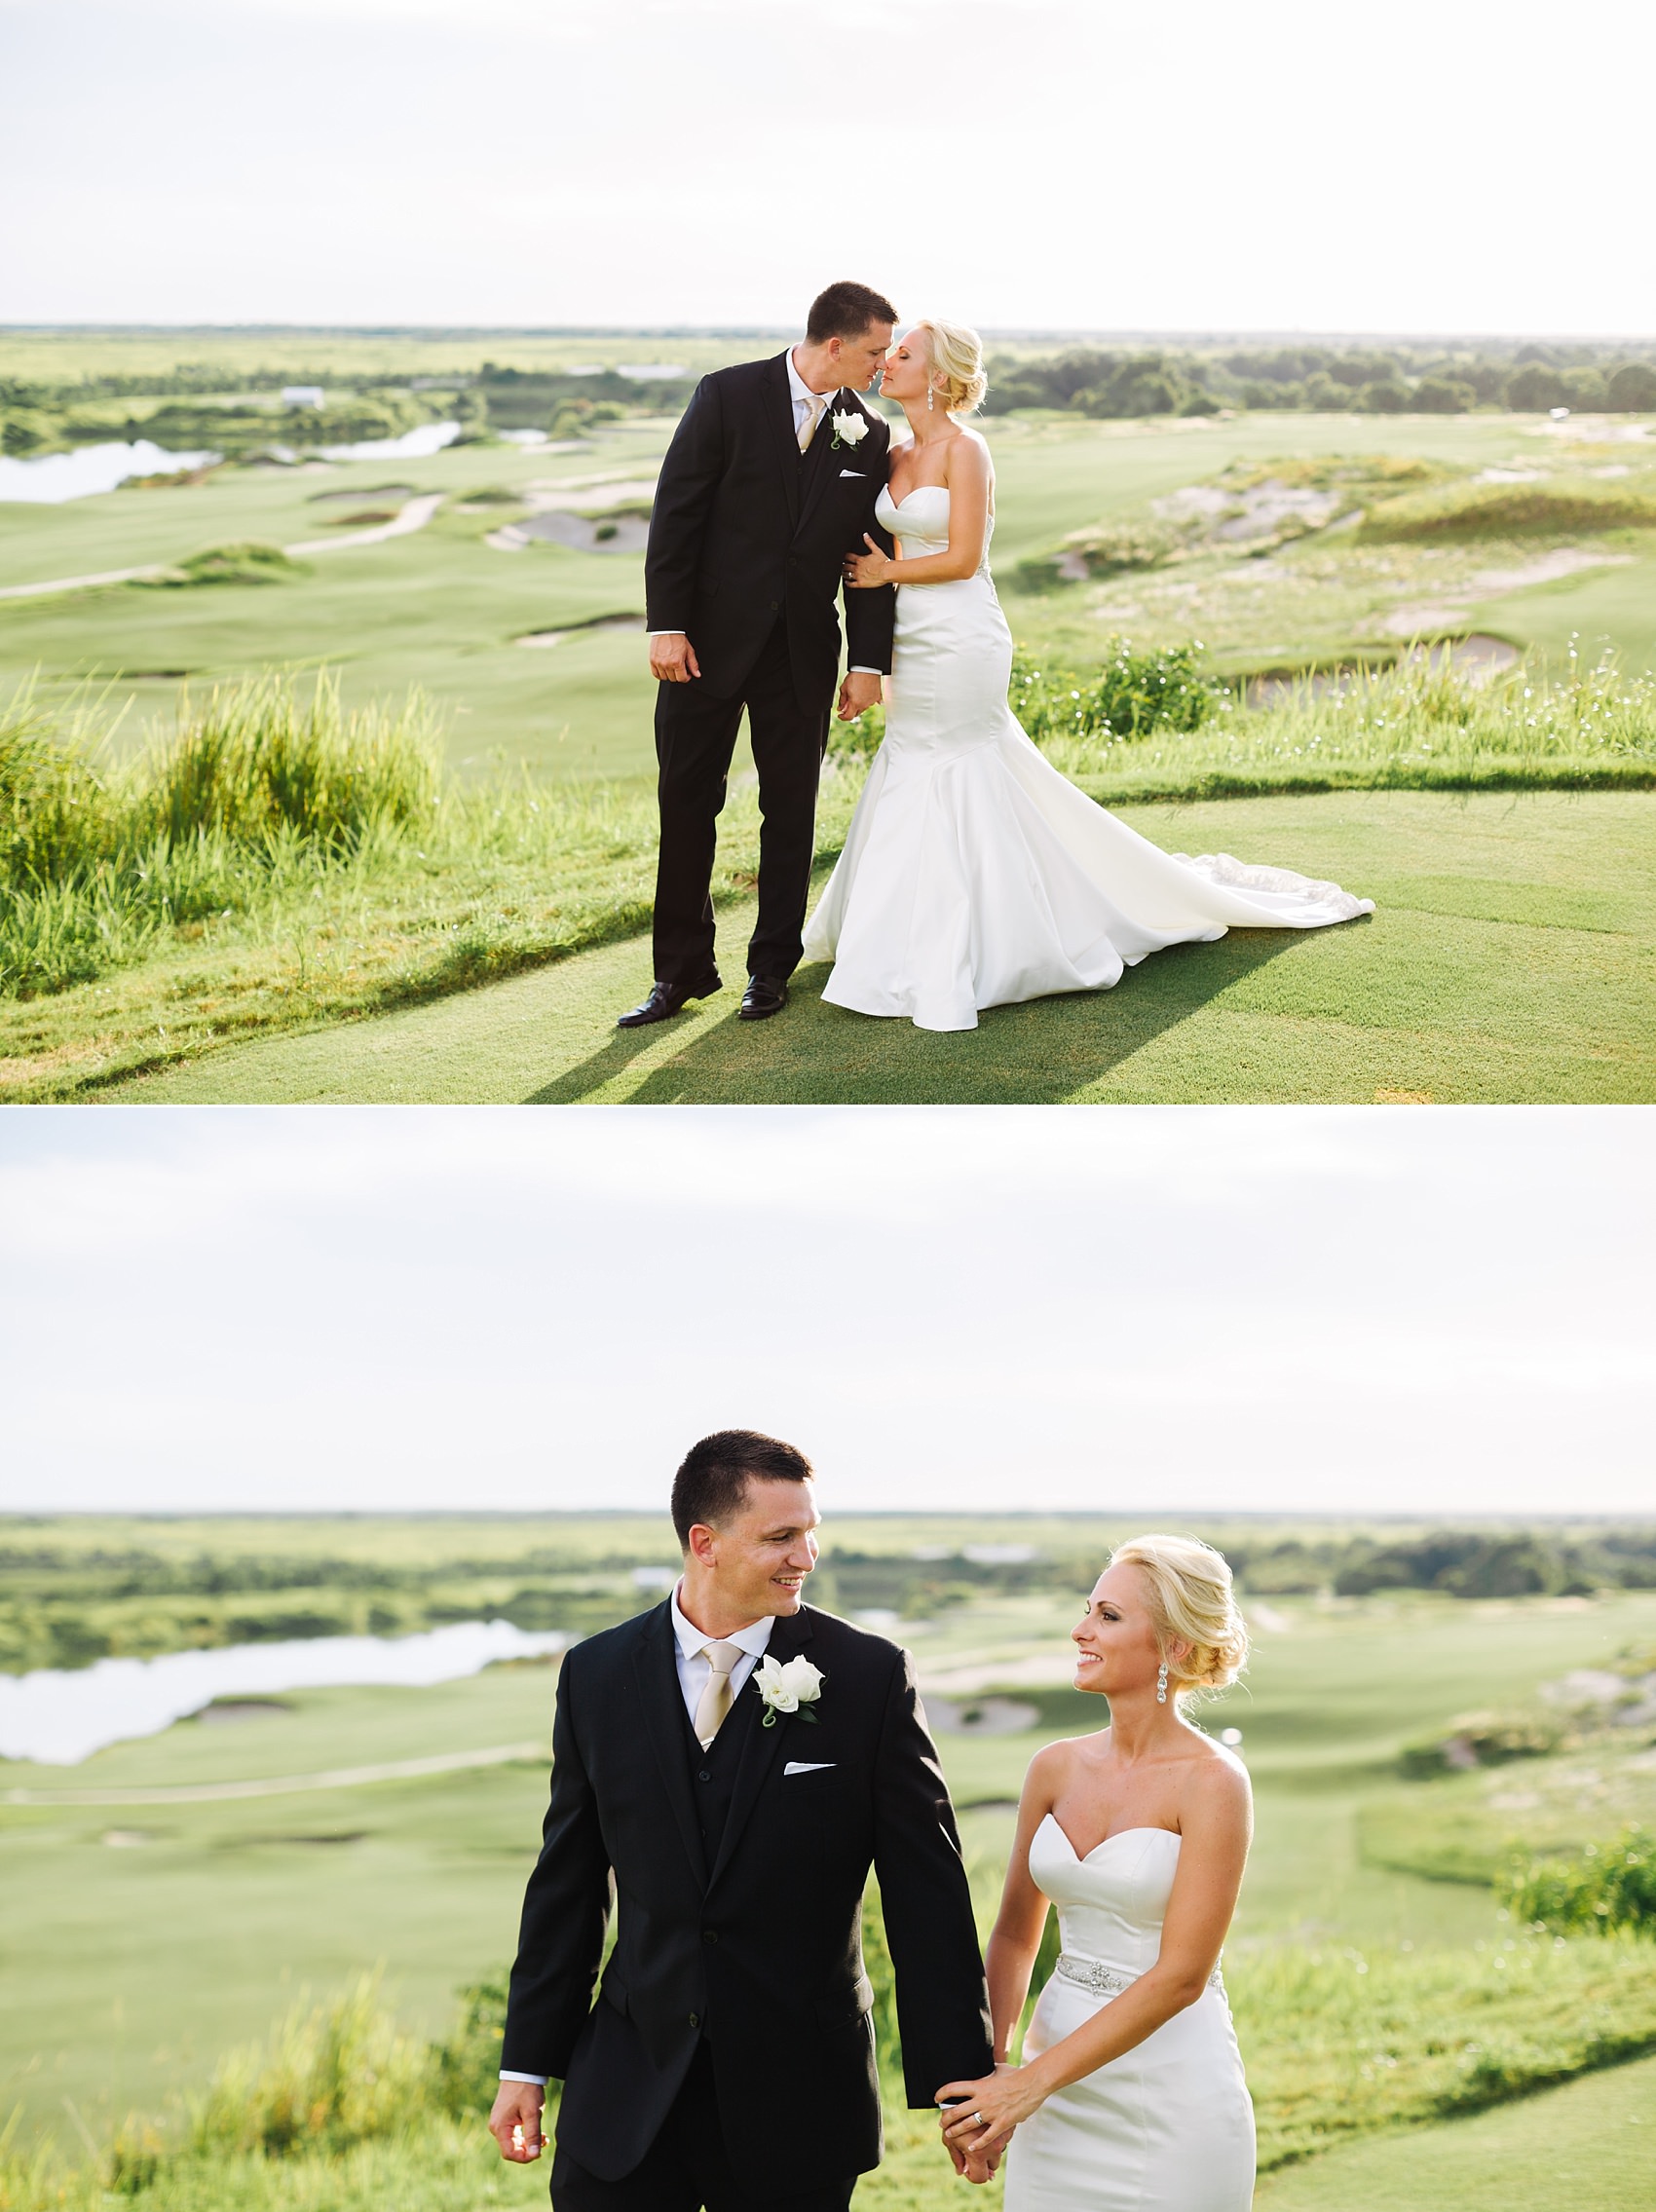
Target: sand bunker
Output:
{"points": [[1240, 517], [579, 512]]}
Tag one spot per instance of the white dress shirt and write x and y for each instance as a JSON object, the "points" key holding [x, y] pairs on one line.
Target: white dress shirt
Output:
{"points": [[694, 1672], [802, 396]]}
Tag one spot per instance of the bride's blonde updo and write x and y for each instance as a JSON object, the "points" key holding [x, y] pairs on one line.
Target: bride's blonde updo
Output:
{"points": [[957, 354], [1188, 1587]]}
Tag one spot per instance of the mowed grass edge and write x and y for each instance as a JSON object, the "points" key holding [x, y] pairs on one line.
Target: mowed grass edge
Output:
{"points": [[283, 865]]}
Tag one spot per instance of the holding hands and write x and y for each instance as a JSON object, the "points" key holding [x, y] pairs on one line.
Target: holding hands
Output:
{"points": [[978, 2117]]}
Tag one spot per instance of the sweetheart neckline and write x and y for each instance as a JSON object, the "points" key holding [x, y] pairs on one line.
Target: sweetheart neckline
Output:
{"points": [[899, 504], [1081, 1857]]}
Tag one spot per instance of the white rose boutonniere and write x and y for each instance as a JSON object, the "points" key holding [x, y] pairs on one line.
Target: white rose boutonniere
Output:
{"points": [[850, 428], [791, 1687]]}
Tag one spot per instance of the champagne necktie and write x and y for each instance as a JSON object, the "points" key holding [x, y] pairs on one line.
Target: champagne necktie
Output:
{"points": [[716, 1697], [817, 402]]}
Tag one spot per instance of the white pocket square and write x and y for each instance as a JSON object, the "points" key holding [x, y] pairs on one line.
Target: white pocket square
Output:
{"points": [[809, 1766], [853, 471]]}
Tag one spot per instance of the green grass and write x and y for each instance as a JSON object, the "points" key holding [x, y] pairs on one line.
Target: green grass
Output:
{"points": [[1588, 2145], [131, 1970], [103, 1989], [1509, 511], [282, 861], [442, 609], [1508, 960]]}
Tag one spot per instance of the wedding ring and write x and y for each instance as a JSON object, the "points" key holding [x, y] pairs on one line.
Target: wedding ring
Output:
{"points": [[977, 2119]]}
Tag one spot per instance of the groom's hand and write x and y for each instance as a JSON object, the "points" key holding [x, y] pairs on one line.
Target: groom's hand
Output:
{"points": [[672, 658], [858, 691], [516, 2122]]}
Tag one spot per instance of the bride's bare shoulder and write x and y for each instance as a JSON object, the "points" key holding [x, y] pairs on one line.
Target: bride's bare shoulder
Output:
{"points": [[966, 462], [1054, 1763]]}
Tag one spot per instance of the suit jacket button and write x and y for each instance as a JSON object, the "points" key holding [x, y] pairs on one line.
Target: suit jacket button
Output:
{"points": [[706, 1774], [695, 2019], [773, 606], [709, 1935]]}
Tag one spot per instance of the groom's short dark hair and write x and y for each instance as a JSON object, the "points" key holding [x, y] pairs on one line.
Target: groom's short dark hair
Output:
{"points": [[712, 1483], [845, 311]]}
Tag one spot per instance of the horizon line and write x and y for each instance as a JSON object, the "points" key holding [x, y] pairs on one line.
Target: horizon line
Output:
{"points": [[1216, 334]]}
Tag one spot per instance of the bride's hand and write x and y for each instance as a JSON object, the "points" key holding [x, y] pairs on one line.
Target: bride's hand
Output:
{"points": [[989, 2111], [864, 570]]}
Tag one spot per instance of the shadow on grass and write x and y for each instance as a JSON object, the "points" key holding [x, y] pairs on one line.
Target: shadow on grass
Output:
{"points": [[594, 1072], [1044, 1051]]}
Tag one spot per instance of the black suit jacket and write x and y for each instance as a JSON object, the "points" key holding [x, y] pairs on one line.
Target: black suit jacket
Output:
{"points": [[762, 1949], [744, 529]]}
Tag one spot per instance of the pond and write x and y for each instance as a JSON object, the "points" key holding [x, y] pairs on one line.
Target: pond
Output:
{"points": [[56, 477], [50, 478], [60, 1717]]}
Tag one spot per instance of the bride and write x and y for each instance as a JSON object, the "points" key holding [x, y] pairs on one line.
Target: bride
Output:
{"points": [[1130, 2097], [974, 874]]}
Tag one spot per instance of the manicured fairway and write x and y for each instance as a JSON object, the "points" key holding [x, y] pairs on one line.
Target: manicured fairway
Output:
{"points": [[1510, 961], [445, 609], [131, 1963], [1589, 2146]]}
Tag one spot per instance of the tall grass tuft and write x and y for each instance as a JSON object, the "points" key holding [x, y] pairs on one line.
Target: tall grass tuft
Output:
{"points": [[257, 759], [330, 2075], [257, 783]]}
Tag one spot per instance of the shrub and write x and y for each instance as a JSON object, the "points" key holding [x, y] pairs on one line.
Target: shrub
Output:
{"points": [[1386, 395], [1141, 387], [1444, 395], [1534, 388], [1632, 389], [1132, 695], [1607, 1887], [28, 430], [466, 2068], [858, 740]]}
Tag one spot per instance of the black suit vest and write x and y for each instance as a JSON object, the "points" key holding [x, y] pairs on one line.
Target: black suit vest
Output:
{"points": [[713, 1772]]}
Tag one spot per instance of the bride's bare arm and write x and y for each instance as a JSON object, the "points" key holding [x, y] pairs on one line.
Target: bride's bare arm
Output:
{"points": [[968, 479], [1216, 1825], [1015, 1942]]}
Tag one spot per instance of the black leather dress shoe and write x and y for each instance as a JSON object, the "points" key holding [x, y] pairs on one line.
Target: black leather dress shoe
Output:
{"points": [[668, 998], [764, 996]]}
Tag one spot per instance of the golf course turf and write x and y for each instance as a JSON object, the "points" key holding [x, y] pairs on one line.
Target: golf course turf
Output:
{"points": [[1509, 960]]}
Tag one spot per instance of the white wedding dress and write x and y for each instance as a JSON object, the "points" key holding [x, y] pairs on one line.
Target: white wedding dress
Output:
{"points": [[974, 874], [1167, 2126]]}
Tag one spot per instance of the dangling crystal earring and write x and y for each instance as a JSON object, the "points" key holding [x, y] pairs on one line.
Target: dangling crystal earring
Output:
{"points": [[1161, 1683], [930, 398]]}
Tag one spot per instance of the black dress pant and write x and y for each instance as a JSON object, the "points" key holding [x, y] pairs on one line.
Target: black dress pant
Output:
{"points": [[696, 735], [687, 2168]]}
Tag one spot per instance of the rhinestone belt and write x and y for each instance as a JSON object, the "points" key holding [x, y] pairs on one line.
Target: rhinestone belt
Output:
{"points": [[1105, 1981]]}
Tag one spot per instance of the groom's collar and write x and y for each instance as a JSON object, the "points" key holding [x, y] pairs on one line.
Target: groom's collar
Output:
{"points": [[754, 1639], [798, 388]]}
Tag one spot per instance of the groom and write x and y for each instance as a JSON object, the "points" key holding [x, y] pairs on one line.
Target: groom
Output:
{"points": [[724, 1769], [769, 481]]}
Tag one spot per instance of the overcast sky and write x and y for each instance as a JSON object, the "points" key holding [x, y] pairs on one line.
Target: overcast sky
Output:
{"points": [[1124, 1309], [1432, 166]]}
